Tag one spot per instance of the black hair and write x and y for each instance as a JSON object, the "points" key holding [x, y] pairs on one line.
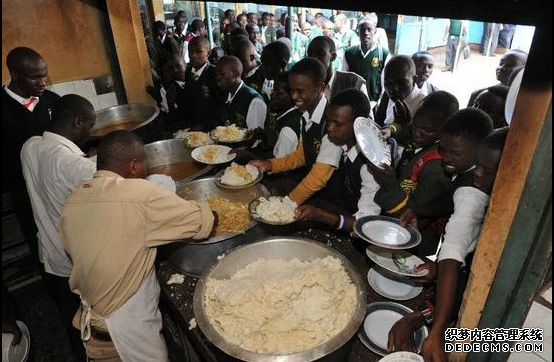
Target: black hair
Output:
{"points": [[202, 40], [241, 46], [238, 32], [117, 147], [231, 60], [325, 40], [17, 56], [469, 123], [240, 16], [356, 99], [69, 107], [496, 139], [282, 78], [312, 68], [179, 14], [403, 62], [264, 14], [420, 54], [159, 25], [278, 50], [196, 25], [440, 104], [499, 90], [250, 27]]}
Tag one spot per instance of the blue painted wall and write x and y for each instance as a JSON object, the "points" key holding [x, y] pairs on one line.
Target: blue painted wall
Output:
{"points": [[407, 34]]}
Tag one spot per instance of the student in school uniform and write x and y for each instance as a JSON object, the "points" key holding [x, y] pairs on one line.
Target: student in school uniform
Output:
{"points": [[251, 75], [244, 106], [282, 123], [424, 63], [323, 49], [274, 59], [367, 60], [402, 95], [267, 31], [172, 92], [419, 177], [492, 101], [353, 185], [455, 256], [198, 29], [26, 111], [202, 96], [458, 149], [316, 157]]}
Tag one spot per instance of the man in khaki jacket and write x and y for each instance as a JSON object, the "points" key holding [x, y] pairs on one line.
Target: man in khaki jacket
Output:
{"points": [[111, 226]]}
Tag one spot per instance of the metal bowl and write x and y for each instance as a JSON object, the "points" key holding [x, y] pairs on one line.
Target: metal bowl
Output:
{"points": [[192, 258], [201, 189], [172, 158], [123, 117], [277, 248]]}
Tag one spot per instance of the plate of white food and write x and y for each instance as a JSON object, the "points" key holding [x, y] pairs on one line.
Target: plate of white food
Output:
{"points": [[238, 176], [274, 210]]}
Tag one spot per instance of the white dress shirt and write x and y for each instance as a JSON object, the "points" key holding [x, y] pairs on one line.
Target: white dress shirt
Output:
{"points": [[29, 103], [412, 101], [257, 110], [287, 141], [53, 167], [366, 205], [464, 226]]}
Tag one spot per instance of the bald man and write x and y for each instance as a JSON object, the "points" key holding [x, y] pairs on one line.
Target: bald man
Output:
{"points": [[26, 108], [402, 95], [110, 227], [53, 166], [246, 108]]}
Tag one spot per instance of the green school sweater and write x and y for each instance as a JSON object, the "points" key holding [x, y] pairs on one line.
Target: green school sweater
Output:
{"points": [[369, 68]]}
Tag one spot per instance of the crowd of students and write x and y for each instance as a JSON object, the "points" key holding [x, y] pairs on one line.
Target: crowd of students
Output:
{"points": [[299, 108], [315, 83]]}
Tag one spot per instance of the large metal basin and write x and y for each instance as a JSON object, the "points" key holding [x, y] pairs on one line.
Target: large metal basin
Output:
{"points": [[278, 248], [123, 117], [193, 257], [172, 158]]}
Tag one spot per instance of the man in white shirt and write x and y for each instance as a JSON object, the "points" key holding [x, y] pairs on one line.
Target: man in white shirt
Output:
{"points": [[53, 165]]}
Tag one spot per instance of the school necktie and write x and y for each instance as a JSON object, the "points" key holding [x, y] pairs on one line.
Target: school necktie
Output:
{"points": [[30, 102]]}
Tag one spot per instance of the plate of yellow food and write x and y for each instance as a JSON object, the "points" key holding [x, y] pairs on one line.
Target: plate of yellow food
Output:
{"points": [[193, 139], [228, 134], [213, 154]]}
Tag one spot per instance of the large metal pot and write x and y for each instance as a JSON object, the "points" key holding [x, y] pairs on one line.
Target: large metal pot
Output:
{"points": [[192, 258], [123, 117], [172, 158], [278, 248]]}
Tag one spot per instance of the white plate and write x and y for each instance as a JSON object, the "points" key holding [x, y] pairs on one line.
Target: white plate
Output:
{"points": [[390, 288], [18, 353], [385, 259], [402, 357], [372, 143], [215, 138], [380, 317], [386, 232], [219, 175], [223, 155]]}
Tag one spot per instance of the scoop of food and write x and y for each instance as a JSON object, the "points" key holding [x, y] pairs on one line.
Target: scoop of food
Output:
{"points": [[238, 175]]}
